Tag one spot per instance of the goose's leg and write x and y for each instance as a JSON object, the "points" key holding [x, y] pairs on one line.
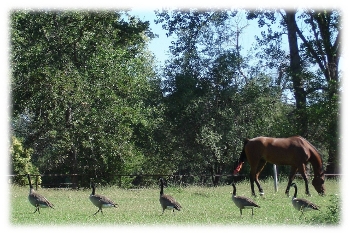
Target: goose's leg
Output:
{"points": [[96, 212]]}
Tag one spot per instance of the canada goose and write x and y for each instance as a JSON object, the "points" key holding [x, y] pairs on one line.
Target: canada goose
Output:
{"points": [[100, 201], [242, 202], [167, 201], [37, 199], [301, 204]]}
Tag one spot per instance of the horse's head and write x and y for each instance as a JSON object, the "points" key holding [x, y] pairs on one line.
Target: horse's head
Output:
{"points": [[318, 183]]}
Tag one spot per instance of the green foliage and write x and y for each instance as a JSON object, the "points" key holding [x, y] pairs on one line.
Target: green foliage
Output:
{"points": [[83, 81], [87, 98], [21, 162], [210, 104], [331, 214], [317, 81]]}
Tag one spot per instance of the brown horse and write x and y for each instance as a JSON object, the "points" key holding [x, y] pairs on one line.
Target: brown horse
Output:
{"points": [[294, 151]]}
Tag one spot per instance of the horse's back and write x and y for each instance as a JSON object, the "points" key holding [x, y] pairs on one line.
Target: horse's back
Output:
{"points": [[280, 151]]}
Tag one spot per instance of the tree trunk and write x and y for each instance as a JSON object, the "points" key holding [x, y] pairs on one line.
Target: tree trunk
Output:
{"points": [[328, 63], [296, 74], [333, 162]]}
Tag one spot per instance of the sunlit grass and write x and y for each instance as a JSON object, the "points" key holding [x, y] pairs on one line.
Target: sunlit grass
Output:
{"points": [[201, 206]]}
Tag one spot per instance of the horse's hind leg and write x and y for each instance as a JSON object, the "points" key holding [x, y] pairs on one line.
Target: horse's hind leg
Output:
{"points": [[260, 167], [255, 169], [252, 178]]}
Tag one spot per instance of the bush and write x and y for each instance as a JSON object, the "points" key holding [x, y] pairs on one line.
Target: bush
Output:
{"points": [[332, 214], [20, 162]]}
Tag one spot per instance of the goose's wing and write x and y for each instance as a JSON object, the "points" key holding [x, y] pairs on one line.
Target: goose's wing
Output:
{"points": [[168, 200], [41, 200], [305, 204], [104, 200], [245, 201]]}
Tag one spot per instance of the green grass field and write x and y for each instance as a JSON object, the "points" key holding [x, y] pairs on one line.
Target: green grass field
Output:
{"points": [[201, 206]]}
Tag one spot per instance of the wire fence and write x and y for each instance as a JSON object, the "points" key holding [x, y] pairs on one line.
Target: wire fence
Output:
{"points": [[77, 180]]}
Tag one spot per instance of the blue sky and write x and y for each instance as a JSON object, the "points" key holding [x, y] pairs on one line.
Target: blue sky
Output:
{"points": [[160, 46]]}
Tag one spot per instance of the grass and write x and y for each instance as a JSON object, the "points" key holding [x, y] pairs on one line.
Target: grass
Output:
{"points": [[201, 206]]}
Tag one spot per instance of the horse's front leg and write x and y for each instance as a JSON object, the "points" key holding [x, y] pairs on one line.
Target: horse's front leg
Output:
{"points": [[307, 192], [303, 174], [292, 173]]}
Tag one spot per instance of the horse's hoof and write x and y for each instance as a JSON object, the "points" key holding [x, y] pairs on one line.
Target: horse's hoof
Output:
{"points": [[262, 194]]}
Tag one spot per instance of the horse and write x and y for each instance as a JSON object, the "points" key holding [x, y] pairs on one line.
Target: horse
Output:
{"points": [[294, 151]]}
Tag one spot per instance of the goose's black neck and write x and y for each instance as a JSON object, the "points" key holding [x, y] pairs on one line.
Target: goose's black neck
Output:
{"points": [[30, 182], [93, 189], [161, 187], [295, 190], [234, 189]]}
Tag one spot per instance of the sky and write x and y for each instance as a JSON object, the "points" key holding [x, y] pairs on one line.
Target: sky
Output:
{"points": [[159, 47]]}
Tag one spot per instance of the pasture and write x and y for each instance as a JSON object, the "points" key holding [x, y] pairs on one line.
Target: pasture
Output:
{"points": [[209, 206]]}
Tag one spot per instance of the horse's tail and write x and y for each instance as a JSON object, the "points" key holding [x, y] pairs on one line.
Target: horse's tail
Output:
{"points": [[242, 158]]}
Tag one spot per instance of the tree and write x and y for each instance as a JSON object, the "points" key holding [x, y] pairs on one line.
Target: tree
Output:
{"points": [[324, 50], [83, 81], [314, 54], [210, 103]]}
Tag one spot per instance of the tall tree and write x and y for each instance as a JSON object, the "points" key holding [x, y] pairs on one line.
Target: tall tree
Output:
{"points": [[314, 53], [205, 90], [324, 48], [296, 73], [82, 79]]}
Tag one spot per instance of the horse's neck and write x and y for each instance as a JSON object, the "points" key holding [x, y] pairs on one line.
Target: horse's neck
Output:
{"points": [[316, 162], [316, 165], [315, 158]]}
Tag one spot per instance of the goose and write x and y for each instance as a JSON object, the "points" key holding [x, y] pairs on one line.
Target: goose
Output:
{"points": [[167, 201], [242, 202], [301, 204], [37, 199], [100, 201]]}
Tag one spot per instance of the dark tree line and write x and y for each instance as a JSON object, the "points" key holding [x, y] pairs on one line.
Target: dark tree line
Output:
{"points": [[87, 97]]}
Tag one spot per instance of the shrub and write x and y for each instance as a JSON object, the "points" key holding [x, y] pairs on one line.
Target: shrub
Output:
{"points": [[332, 214], [20, 162]]}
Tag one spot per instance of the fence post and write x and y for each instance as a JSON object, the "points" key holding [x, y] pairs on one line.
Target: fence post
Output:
{"points": [[275, 177]]}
